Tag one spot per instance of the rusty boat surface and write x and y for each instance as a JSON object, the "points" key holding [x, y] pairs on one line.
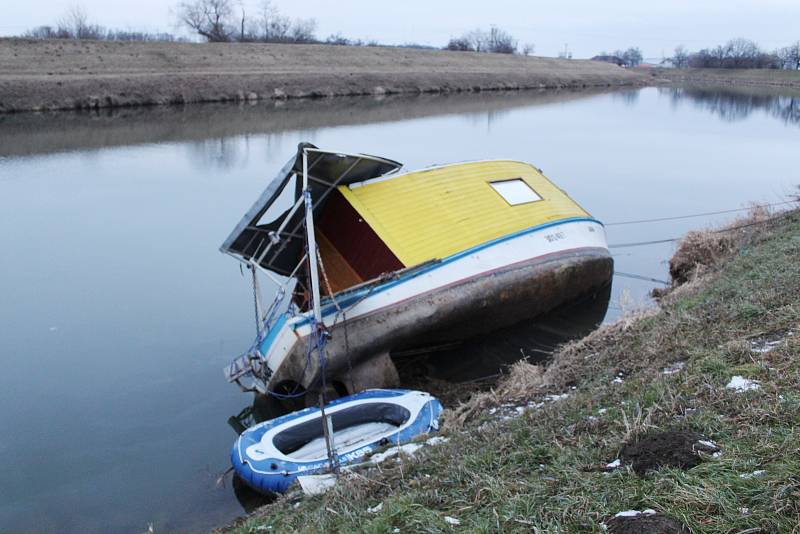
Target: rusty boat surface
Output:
{"points": [[366, 260]]}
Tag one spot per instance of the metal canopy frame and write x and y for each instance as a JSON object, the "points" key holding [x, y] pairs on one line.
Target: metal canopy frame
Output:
{"points": [[277, 245]]}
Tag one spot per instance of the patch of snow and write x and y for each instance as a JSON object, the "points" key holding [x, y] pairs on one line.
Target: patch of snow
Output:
{"points": [[520, 410], [744, 511], [409, 449], [615, 464], [628, 513], [437, 440], [451, 520], [708, 443], [635, 513], [316, 484], [554, 398], [395, 530], [617, 380], [375, 509], [674, 368], [739, 383], [716, 454], [492, 411], [754, 474], [601, 411]]}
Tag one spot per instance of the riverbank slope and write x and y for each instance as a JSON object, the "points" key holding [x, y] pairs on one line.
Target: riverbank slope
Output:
{"points": [[70, 74], [690, 411], [727, 77]]}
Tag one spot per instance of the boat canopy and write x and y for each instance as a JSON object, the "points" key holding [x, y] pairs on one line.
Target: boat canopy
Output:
{"points": [[271, 232]]}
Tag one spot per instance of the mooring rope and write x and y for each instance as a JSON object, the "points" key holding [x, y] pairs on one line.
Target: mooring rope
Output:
{"points": [[705, 214], [720, 231], [640, 277]]}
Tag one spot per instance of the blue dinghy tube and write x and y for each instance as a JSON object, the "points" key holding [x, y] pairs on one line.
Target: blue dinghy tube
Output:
{"points": [[269, 456]]}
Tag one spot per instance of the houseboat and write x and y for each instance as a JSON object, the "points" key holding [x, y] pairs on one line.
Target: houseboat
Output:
{"points": [[367, 259]]}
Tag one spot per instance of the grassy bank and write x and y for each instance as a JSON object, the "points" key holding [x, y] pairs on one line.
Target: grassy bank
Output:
{"points": [[754, 77], [547, 470], [64, 74]]}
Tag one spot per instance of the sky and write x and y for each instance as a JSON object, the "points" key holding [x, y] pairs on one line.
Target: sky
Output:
{"points": [[584, 27]]}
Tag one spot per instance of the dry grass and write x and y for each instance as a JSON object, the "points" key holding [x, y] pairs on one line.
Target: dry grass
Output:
{"points": [[545, 470], [57, 74], [700, 251], [619, 349]]}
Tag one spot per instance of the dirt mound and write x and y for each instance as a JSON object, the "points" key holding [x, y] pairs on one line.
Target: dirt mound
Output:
{"points": [[646, 524], [699, 251], [666, 449]]}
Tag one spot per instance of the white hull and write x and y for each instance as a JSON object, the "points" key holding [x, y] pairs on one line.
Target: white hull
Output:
{"points": [[517, 252]]}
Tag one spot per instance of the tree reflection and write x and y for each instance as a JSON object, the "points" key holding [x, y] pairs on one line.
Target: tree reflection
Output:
{"points": [[733, 105]]}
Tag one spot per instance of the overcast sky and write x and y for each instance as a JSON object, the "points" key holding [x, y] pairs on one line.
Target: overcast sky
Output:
{"points": [[585, 26]]}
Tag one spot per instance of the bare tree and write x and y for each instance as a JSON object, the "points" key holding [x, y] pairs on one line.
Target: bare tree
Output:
{"points": [[528, 49], [495, 40], [478, 40], [632, 56], [501, 42], [789, 56], [337, 39], [74, 24], [459, 44], [266, 12], [740, 53], [680, 58], [303, 30], [279, 28], [211, 19]]}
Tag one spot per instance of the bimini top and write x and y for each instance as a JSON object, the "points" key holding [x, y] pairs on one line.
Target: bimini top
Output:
{"points": [[278, 206]]}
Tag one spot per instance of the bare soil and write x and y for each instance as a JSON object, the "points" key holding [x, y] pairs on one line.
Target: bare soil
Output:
{"points": [[679, 449], [646, 524], [71, 74]]}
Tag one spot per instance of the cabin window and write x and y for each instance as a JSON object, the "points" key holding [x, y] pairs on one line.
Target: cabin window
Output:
{"points": [[515, 191]]}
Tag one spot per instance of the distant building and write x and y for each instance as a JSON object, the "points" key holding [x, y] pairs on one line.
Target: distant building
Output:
{"points": [[610, 59]]}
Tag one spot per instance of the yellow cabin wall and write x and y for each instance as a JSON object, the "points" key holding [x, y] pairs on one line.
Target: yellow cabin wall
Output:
{"points": [[434, 213]]}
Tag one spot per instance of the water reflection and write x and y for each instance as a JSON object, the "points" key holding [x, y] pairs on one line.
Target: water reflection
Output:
{"points": [[213, 131], [629, 97], [732, 104]]}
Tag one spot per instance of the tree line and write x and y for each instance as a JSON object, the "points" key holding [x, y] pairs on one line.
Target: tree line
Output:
{"points": [[631, 57], [493, 40], [227, 21], [738, 53], [75, 24]]}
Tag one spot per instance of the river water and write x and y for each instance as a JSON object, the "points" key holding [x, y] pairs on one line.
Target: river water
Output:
{"points": [[118, 313]]}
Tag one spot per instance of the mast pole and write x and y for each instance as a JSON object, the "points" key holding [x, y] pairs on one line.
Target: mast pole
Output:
{"points": [[327, 425], [312, 242]]}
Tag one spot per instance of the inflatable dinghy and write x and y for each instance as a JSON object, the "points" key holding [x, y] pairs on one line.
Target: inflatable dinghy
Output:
{"points": [[269, 456]]}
